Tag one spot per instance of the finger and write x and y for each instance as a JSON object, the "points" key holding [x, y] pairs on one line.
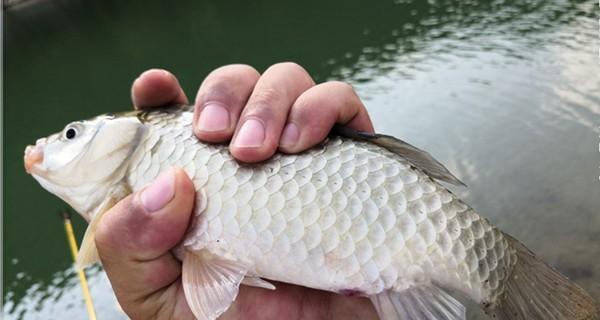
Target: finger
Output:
{"points": [[296, 302], [220, 100], [155, 88], [316, 111], [258, 131], [134, 240]]}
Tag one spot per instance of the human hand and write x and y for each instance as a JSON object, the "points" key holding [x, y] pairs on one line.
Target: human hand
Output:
{"points": [[282, 109]]}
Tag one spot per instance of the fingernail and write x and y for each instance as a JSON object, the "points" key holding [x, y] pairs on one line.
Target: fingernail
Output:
{"points": [[213, 117], [252, 134], [290, 135], [160, 192]]}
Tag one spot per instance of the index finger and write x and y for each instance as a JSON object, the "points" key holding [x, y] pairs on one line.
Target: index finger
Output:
{"points": [[155, 88]]}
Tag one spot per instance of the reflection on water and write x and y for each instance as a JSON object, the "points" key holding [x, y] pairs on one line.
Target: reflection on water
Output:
{"points": [[505, 93], [62, 298]]}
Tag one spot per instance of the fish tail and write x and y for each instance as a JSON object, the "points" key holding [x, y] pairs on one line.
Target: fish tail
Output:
{"points": [[534, 290]]}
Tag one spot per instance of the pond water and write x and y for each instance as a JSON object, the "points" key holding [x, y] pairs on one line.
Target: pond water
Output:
{"points": [[506, 93]]}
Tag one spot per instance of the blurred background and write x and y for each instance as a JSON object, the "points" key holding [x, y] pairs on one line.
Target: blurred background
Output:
{"points": [[505, 93]]}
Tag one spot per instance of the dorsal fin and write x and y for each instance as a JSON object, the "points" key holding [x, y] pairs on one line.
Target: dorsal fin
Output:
{"points": [[420, 159]]}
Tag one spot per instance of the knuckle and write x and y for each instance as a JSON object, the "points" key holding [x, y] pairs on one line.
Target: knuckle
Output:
{"points": [[233, 72], [228, 84], [342, 88], [305, 110], [266, 97], [215, 89], [244, 69], [292, 70], [287, 66]]}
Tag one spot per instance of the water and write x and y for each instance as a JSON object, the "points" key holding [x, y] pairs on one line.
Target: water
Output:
{"points": [[506, 93]]}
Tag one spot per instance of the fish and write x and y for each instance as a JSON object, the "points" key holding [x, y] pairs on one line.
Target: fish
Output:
{"points": [[359, 214]]}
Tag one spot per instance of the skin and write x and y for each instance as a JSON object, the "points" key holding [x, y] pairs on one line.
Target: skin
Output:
{"points": [[282, 109]]}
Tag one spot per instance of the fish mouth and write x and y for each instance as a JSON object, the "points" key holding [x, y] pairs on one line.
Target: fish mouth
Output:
{"points": [[34, 156]]}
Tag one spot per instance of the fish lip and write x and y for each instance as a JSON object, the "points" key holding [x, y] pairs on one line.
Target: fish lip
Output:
{"points": [[34, 156]]}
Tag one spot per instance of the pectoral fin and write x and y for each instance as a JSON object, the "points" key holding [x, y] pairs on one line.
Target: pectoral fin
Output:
{"points": [[210, 283], [88, 253], [424, 302]]}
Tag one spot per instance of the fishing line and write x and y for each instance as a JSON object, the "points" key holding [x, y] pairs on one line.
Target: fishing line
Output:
{"points": [[66, 215]]}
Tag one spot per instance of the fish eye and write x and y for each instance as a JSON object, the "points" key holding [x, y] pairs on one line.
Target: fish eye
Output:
{"points": [[71, 133]]}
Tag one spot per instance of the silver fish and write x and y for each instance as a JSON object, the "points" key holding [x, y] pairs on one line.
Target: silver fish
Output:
{"points": [[361, 213]]}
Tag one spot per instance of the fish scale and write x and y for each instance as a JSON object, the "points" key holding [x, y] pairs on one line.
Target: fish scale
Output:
{"points": [[353, 209]]}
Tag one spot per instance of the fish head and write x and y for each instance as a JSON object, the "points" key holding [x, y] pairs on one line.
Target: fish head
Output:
{"points": [[82, 162]]}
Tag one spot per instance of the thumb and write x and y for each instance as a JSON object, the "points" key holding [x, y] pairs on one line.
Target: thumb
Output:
{"points": [[134, 240]]}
